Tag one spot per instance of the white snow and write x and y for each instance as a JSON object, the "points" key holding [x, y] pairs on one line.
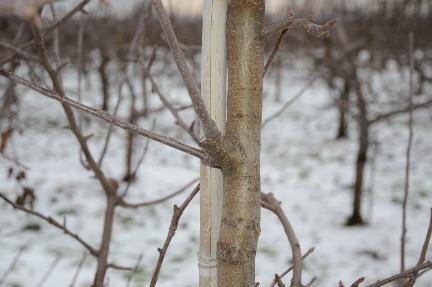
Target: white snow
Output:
{"points": [[302, 164]]}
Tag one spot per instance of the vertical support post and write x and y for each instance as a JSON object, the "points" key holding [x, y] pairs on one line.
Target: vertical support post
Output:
{"points": [[213, 91]]}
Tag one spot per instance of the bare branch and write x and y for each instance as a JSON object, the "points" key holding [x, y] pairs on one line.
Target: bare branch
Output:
{"points": [[12, 265], [291, 101], [408, 153], [317, 30], [109, 133], [425, 266], [268, 201], [118, 267], [75, 277], [52, 222], [291, 268], [49, 271], [399, 111], [423, 252], [274, 52], [14, 161], [311, 282], [178, 211], [129, 279], [210, 128], [140, 160], [426, 241], [173, 111], [107, 117], [277, 46], [279, 281], [80, 44]]}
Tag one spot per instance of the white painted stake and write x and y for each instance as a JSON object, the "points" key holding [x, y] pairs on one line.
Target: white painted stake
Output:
{"points": [[213, 91]]}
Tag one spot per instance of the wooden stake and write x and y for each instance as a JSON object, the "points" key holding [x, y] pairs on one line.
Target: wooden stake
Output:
{"points": [[213, 91]]}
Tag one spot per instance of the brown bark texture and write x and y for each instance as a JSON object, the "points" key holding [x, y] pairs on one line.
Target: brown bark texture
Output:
{"points": [[240, 157]]}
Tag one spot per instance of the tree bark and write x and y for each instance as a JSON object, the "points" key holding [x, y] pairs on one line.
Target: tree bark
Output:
{"points": [[240, 161]]}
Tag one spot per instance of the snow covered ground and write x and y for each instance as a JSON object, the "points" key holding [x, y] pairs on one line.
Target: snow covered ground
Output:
{"points": [[302, 164]]}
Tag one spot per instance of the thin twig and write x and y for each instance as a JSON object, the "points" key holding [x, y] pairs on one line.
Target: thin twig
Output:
{"points": [[321, 31], [80, 45], [268, 201], [56, 37], [14, 161], [126, 204], [276, 47], [399, 111], [77, 272], [109, 132], [140, 161], [311, 282], [11, 265], [423, 253], [130, 276], [49, 272], [290, 101], [408, 153], [52, 222], [177, 213], [291, 267], [274, 52], [173, 111], [426, 242], [425, 266], [279, 281], [118, 267]]}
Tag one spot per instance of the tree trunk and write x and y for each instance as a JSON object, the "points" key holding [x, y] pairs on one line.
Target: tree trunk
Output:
{"points": [[343, 108], [240, 162], [356, 218]]}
